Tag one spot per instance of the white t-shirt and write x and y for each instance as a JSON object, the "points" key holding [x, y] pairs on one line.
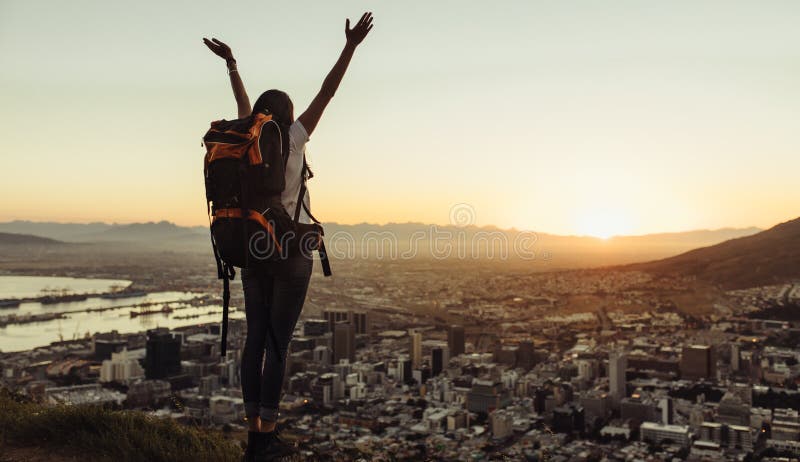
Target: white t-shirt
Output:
{"points": [[298, 137]]}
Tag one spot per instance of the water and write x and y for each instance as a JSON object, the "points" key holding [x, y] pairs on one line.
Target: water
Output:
{"points": [[32, 286], [78, 323]]}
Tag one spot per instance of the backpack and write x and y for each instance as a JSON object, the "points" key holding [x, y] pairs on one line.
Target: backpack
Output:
{"points": [[244, 170]]}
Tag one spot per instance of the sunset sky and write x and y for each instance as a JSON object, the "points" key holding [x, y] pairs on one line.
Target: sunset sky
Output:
{"points": [[569, 117]]}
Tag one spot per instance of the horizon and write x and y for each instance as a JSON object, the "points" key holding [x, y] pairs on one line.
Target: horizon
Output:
{"points": [[622, 119], [444, 225]]}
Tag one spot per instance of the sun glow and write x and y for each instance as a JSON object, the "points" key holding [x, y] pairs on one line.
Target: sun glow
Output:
{"points": [[604, 222]]}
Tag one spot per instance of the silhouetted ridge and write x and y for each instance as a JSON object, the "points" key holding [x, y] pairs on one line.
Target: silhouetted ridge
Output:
{"points": [[26, 239], [769, 257]]}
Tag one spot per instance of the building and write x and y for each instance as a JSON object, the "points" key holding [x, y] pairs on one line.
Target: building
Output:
{"points": [[639, 409], [456, 340], [736, 437], [785, 425], [148, 393], [596, 404], [733, 411], [657, 433], [361, 321], [323, 391], [487, 396], [617, 364], [344, 342], [322, 355], [437, 361], [122, 367], [163, 354], [526, 356], [666, 408], [568, 419], [416, 349], [225, 409], [698, 362], [105, 345], [587, 369], [315, 327], [735, 359], [86, 394], [334, 317], [358, 319], [502, 424]]}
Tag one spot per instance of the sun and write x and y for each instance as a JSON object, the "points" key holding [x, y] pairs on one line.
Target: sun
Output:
{"points": [[604, 222]]}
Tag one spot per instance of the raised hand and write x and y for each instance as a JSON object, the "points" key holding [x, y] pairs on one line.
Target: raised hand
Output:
{"points": [[219, 48], [356, 35]]}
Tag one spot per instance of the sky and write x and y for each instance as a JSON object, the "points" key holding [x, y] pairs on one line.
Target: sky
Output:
{"points": [[567, 117]]}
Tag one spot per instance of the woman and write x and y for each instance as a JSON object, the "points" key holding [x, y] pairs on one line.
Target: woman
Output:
{"points": [[274, 296]]}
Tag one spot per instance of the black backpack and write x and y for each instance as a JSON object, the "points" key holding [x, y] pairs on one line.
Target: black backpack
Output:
{"points": [[244, 169]]}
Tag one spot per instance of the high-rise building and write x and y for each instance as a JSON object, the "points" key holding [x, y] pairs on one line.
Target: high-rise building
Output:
{"points": [[334, 317], [358, 319], [455, 340], [698, 362], [617, 363], [162, 354], [667, 410], [416, 349], [361, 321], [344, 342], [437, 361], [526, 356], [735, 358]]}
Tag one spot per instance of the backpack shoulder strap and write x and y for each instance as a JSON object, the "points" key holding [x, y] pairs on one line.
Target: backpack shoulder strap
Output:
{"points": [[302, 195]]}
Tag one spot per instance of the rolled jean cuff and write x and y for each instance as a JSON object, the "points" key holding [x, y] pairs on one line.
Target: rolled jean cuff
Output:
{"points": [[268, 414], [251, 408]]}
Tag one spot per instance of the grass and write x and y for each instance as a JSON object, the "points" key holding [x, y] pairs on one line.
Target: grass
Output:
{"points": [[97, 434]]}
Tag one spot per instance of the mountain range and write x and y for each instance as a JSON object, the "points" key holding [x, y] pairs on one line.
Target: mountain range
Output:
{"points": [[729, 257], [555, 251]]}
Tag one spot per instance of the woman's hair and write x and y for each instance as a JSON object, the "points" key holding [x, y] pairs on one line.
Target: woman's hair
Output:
{"points": [[279, 104], [276, 103]]}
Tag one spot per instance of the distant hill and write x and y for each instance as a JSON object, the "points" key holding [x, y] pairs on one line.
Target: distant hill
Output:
{"points": [[26, 239], [426, 240], [769, 257]]}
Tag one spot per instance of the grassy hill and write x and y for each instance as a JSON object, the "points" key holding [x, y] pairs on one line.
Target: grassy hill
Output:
{"points": [[30, 432]]}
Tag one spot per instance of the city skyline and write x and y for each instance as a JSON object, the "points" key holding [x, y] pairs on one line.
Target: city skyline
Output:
{"points": [[576, 119]]}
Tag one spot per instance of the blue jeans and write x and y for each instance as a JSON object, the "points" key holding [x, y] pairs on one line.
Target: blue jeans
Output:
{"points": [[273, 300]]}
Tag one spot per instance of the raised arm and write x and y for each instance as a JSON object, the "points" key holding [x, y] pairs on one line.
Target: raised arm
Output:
{"points": [[355, 36], [224, 51]]}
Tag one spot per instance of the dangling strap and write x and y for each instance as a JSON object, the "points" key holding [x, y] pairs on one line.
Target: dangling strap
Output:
{"points": [[323, 258], [323, 255], [226, 273]]}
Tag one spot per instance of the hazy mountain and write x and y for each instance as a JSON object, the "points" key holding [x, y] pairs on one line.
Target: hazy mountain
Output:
{"points": [[25, 240], [769, 257], [103, 232], [58, 231], [410, 239]]}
